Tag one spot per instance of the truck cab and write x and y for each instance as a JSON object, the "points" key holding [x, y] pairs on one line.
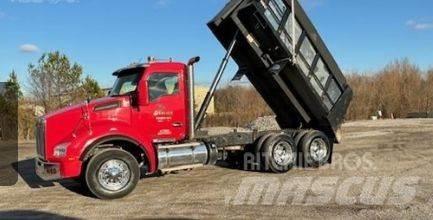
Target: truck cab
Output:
{"points": [[147, 106], [159, 98]]}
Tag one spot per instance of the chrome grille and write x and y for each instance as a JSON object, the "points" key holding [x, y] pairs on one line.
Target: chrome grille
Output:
{"points": [[40, 138]]}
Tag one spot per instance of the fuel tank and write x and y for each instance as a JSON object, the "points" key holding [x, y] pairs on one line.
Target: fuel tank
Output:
{"points": [[171, 157]]}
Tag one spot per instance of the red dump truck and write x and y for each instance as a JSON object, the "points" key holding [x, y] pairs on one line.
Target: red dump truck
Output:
{"points": [[147, 124]]}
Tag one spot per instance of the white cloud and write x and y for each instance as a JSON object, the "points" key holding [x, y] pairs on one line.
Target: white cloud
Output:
{"points": [[419, 26], [45, 1], [29, 48], [161, 3]]}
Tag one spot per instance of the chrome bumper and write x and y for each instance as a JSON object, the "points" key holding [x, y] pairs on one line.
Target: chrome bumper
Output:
{"points": [[47, 171]]}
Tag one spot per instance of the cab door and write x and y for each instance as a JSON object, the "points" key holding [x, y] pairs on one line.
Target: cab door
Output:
{"points": [[166, 111]]}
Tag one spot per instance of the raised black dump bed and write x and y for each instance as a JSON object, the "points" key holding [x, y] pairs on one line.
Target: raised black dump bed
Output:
{"points": [[312, 93]]}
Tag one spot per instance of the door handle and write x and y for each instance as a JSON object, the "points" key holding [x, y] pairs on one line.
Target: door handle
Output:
{"points": [[177, 124]]}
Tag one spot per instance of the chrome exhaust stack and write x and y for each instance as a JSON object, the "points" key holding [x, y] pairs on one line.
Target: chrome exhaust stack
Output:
{"points": [[191, 95]]}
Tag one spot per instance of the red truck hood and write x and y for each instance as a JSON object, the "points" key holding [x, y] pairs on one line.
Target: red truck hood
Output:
{"points": [[64, 125], [67, 111], [82, 106]]}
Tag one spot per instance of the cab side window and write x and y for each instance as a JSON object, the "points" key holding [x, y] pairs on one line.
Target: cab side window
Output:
{"points": [[163, 84]]}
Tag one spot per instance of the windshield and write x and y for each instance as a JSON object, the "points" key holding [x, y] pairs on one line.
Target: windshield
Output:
{"points": [[125, 83]]}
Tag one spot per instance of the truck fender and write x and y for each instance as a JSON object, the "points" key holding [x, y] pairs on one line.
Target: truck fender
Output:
{"points": [[90, 149]]}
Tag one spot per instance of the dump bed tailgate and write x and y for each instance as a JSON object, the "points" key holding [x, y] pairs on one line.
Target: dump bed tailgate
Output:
{"points": [[313, 92]]}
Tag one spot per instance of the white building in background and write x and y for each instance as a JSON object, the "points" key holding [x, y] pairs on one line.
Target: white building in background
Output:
{"points": [[200, 94]]}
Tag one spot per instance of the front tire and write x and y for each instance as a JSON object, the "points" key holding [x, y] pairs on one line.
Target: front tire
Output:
{"points": [[112, 174]]}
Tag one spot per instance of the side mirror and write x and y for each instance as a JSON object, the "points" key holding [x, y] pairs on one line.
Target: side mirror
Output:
{"points": [[134, 98], [138, 100]]}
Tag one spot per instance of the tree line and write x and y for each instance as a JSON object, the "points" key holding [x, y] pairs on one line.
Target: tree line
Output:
{"points": [[399, 88], [396, 90], [53, 83], [236, 106]]}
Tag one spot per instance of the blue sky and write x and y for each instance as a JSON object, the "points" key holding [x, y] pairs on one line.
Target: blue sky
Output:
{"points": [[103, 35]]}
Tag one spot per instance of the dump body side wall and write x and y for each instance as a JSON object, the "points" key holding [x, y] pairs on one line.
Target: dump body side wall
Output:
{"points": [[294, 92]]}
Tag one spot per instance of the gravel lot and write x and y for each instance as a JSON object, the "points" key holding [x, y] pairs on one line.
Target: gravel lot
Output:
{"points": [[388, 149]]}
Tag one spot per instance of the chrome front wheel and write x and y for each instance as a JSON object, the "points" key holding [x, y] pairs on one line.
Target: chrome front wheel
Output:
{"points": [[114, 175]]}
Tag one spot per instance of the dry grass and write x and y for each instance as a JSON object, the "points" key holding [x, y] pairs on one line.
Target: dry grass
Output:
{"points": [[237, 106], [398, 89]]}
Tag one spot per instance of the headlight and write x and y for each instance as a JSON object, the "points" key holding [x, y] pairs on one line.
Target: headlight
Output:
{"points": [[61, 150]]}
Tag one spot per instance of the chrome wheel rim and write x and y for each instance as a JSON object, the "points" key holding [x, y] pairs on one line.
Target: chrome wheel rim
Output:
{"points": [[282, 153], [318, 149], [114, 175]]}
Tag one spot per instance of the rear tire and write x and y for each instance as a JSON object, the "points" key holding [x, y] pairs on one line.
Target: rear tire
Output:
{"points": [[279, 153], [316, 149], [298, 138], [257, 151], [112, 174], [261, 141]]}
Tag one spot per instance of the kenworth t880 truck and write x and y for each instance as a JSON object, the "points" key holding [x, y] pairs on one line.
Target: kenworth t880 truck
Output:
{"points": [[147, 124]]}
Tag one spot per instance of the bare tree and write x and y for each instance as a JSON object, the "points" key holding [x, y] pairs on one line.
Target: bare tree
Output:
{"points": [[237, 106], [396, 90], [54, 81], [428, 91]]}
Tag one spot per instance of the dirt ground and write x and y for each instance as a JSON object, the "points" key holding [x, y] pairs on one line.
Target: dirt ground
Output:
{"points": [[392, 149]]}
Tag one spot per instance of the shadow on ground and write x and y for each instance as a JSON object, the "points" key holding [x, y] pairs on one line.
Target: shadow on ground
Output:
{"points": [[27, 214], [26, 169]]}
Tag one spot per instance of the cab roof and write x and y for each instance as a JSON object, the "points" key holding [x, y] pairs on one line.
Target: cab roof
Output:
{"points": [[131, 67], [143, 66]]}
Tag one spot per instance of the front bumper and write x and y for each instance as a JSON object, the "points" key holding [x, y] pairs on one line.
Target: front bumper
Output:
{"points": [[47, 171]]}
